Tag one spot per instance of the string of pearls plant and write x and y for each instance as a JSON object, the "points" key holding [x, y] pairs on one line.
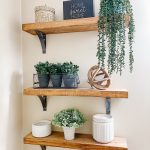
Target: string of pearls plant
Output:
{"points": [[115, 17]]}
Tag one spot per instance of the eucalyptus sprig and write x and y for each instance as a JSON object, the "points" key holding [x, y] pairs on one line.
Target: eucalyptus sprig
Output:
{"points": [[113, 16]]}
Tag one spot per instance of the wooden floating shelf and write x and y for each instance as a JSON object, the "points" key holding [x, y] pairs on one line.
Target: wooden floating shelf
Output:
{"points": [[65, 26], [81, 141], [77, 92]]}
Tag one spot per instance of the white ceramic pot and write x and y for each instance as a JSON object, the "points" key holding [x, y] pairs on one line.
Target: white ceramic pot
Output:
{"points": [[69, 133], [41, 128], [103, 128]]}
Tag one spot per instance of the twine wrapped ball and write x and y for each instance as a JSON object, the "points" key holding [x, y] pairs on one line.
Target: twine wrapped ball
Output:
{"points": [[98, 78]]}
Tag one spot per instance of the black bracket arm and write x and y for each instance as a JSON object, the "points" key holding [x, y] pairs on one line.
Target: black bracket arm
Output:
{"points": [[43, 100], [42, 38], [108, 105], [43, 147]]}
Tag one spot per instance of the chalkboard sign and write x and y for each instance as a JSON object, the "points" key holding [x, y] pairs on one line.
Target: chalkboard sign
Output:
{"points": [[78, 9]]}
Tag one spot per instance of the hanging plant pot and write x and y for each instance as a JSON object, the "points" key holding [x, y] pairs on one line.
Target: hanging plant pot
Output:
{"points": [[43, 80], [56, 80], [115, 18], [70, 80], [69, 133]]}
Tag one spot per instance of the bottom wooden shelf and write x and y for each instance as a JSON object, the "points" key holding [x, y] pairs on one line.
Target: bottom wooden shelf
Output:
{"points": [[81, 141]]}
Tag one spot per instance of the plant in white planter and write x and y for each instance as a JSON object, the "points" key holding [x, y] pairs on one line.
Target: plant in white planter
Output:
{"points": [[69, 119]]}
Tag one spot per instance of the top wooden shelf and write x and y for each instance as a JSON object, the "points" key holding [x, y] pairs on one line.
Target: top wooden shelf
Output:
{"points": [[65, 26], [77, 92]]}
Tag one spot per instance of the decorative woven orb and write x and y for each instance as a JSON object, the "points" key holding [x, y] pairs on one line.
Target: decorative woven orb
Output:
{"points": [[98, 78]]}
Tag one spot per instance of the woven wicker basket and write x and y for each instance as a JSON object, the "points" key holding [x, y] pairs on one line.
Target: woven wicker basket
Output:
{"points": [[44, 14]]}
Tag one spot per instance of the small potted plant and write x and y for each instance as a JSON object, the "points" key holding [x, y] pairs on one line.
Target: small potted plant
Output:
{"points": [[70, 74], [55, 75], [69, 119], [43, 74]]}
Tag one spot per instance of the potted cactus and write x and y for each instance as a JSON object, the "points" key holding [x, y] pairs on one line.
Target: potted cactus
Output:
{"points": [[43, 74], [69, 119], [55, 75], [70, 74]]}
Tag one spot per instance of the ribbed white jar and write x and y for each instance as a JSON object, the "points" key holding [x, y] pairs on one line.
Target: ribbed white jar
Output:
{"points": [[103, 128], [41, 128]]}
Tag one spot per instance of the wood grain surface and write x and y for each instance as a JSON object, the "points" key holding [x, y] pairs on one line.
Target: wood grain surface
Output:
{"points": [[65, 26], [78, 92], [81, 141]]}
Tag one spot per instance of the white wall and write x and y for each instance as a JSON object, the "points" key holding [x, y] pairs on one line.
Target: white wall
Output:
{"points": [[10, 76], [131, 115]]}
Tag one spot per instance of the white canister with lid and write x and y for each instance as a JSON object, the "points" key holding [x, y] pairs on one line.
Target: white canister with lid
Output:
{"points": [[41, 128], [103, 128]]}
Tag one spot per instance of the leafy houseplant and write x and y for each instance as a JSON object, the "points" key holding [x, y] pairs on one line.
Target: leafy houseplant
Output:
{"points": [[43, 74], [70, 74], [114, 17], [69, 119], [56, 75]]}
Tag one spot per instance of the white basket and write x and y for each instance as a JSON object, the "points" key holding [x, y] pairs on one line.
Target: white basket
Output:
{"points": [[41, 128], [44, 14]]}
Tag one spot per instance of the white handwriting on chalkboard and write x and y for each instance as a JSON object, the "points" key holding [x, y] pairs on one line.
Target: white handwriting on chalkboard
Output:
{"points": [[77, 10]]}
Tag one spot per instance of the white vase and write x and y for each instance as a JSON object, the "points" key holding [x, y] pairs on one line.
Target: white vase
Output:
{"points": [[69, 133]]}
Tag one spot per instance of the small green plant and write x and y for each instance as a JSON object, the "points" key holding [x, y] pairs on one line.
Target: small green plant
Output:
{"points": [[69, 118], [55, 69], [42, 68], [69, 68]]}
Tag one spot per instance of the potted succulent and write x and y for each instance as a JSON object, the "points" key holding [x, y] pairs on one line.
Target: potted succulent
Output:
{"points": [[43, 74], [70, 74], [69, 119], [115, 18], [55, 75]]}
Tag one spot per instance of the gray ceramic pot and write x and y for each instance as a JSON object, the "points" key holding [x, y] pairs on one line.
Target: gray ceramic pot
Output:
{"points": [[56, 80], [43, 80], [70, 80]]}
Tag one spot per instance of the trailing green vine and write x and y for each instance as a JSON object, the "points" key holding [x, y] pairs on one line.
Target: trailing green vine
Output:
{"points": [[113, 16]]}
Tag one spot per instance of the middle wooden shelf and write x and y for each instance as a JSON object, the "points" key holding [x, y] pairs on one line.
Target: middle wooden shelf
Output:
{"points": [[82, 92], [87, 92]]}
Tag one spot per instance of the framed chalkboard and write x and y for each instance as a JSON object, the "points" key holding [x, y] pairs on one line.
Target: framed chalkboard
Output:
{"points": [[74, 9]]}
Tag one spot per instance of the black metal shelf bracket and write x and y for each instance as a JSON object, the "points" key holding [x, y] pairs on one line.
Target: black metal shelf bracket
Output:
{"points": [[108, 105], [43, 147], [43, 100], [42, 38]]}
